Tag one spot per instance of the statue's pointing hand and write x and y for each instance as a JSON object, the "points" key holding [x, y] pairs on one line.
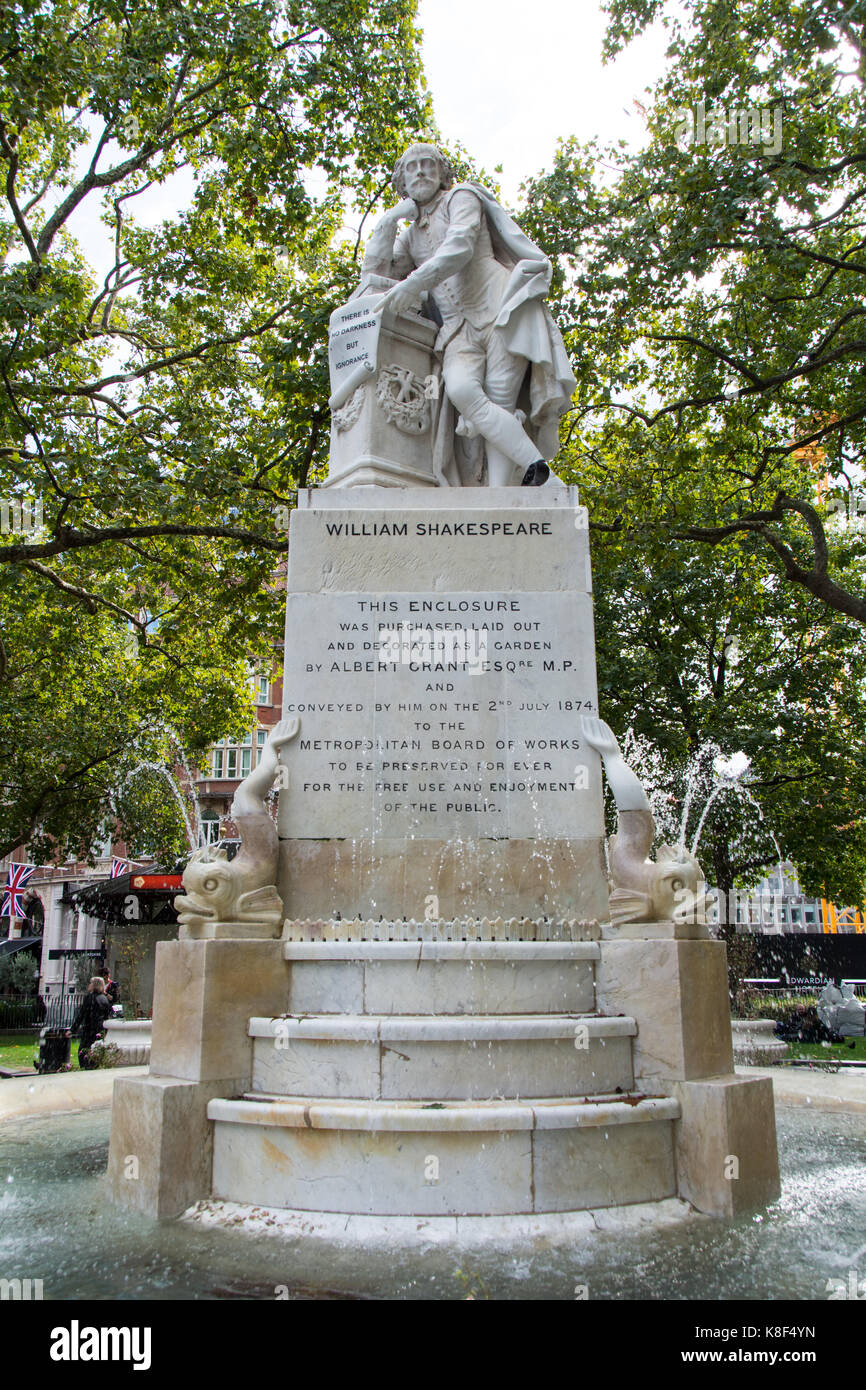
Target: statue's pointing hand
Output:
{"points": [[283, 732], [403, 297]]}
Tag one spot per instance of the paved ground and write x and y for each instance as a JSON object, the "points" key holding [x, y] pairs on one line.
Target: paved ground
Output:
{"points": [[807, 1086], [46, 1095]]}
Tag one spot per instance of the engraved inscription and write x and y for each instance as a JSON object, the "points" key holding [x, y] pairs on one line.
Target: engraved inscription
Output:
{"points": [[434, 716]]}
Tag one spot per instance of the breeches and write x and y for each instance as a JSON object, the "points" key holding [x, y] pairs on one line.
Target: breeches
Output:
{"points": [[482, 380]]}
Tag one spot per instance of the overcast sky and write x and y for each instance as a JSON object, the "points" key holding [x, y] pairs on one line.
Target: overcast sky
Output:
{"points": [[508, 79]]}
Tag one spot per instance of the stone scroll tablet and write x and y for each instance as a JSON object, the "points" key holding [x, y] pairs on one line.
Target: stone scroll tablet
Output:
{"points": [[439, 653], [353, 341]]}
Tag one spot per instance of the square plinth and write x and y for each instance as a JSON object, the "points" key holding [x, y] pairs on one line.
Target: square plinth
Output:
{"points": [[205, 993], [439, 655]]}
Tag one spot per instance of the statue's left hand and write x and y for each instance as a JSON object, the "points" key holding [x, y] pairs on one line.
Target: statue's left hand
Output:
{"points": [[408, 208]]}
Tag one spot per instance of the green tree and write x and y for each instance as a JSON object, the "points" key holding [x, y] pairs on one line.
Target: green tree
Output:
{"points": [[163, 399], [703, 654], [713, 292], [711, 296], [84, 705], [19, 973]]}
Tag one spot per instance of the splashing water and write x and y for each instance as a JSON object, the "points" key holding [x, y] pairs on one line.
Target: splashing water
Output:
{"points": [[709, 776], [183, 795], [193, 828]]}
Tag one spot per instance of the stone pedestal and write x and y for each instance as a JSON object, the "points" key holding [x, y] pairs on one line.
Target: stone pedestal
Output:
{"points": [[727, 1159], [439, 653], [132, 1038], [204, 994], [449, 1027], [382, 435], [161, 1151], [677, 992], [229, 931]]}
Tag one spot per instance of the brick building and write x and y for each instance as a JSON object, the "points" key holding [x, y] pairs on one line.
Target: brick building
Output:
{"points": [[231, 760]]}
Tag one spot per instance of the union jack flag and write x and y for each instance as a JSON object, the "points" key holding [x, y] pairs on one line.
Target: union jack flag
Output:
{"points": [[119, 867], [13, 893]]}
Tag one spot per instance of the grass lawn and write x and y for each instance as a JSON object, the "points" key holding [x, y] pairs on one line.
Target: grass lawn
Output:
{"points": [[851, 1050], [19, 1049]]}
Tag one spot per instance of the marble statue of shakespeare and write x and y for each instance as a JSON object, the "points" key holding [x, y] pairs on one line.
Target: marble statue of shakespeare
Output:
{"points": [[504, 365]]}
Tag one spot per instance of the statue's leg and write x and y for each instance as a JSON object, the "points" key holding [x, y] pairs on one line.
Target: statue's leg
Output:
{"points": [[502, 382], [465, 368]]}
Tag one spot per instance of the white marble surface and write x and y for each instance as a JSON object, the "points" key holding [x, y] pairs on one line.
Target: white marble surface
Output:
{"points": [[434, 1059], [408, 748], [513, 1235], [517, 952], [559, 1112], [428, 1028], [455, 1171], [398, 987], [528, 539], [553, 494], [449, 977]]}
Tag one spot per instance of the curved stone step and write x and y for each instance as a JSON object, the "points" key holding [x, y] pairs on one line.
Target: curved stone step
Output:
{"points": [[552, 1112], [441, 977], [421, 1057], [457, 1159]]}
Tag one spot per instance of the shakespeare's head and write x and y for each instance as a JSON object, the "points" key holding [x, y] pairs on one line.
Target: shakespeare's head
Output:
{"points": [[420, 168]]}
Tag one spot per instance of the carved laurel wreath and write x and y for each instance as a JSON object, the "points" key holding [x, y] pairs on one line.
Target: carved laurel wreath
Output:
{"points": [[402, 399]]}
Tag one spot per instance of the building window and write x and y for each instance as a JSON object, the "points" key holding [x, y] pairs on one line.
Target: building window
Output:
{"points": [[210, 828], [262, 687], [232, 759], [810, 914]]}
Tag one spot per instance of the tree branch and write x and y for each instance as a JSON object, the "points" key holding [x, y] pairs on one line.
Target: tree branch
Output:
{"points": [[70, 540], [90, 600], [11, 155], [173, 361], [815, 580]]}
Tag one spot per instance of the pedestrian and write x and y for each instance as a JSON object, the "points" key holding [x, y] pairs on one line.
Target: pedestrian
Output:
{"points": [[90, 1020], [111, 986]]}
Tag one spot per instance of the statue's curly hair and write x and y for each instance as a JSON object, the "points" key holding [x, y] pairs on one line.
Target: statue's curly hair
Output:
{"points": [[446, 173]]}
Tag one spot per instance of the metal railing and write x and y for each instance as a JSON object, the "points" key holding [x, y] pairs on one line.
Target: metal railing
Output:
{"points": [[56, 1011], [16, 1012], [780, 990], [60, 1010]]}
